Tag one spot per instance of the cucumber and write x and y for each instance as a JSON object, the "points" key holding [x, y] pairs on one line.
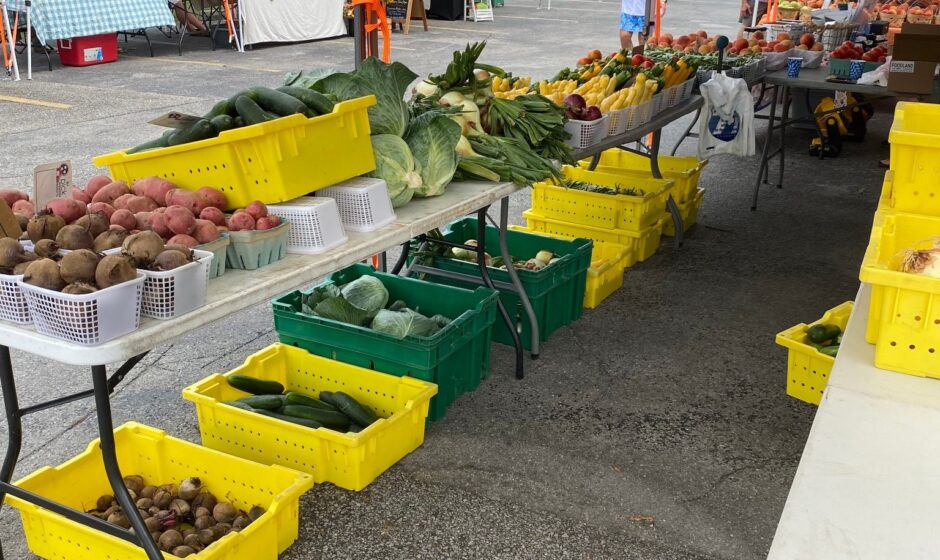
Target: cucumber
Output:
{"points": [[264, 402], [297, 398], [223, 122], [279, 102], [160, 142], [327, 397], [822, 333], [292, 419], [329, 418], [254, 385], [356, 412], [250, 94], [238, 122], [354, 429], [830, 350], [316, 101], [223, 107], [201, 130], [250, 111], [238, 404]]}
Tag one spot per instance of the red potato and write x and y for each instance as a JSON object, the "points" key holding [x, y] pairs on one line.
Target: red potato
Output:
{"points": [[186, 199], [221, 229], [68, 209], [275, 219], [95, 183], [140, 204], [124, 218], [141, 219], [12, 195], [101, 207], [158, 225], [121, 201], [179, 219], [205, 231], [110, 193], [182, 239], [264, 223], [117, 227], [257, 209], [160, 209], [24, 207], [213, 214], [153, 188], [79, 194], [211, 196], [241, 221]]}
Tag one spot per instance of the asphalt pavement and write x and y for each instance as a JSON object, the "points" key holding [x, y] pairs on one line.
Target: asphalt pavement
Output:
{"points": [[655, 427]]}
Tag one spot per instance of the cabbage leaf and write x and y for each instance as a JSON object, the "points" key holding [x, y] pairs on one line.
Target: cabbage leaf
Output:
{"points": [[396, 166], [406, 322], [367, 293], [432, 139]]}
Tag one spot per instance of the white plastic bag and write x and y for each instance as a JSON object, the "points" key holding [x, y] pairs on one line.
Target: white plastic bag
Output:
{"points": [[877, 77], [727, 123]]}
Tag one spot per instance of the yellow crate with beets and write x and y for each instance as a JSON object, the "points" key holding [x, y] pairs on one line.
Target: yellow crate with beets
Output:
{"points": [[640, 245], [348, 460], [915, 158], [689, 213], [621, 211], [684, 171], [808, 369], [272, 162], [161, 459], [904, 314]]}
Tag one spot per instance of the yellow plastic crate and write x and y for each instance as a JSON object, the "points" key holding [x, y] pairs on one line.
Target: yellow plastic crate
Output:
{"points": [[915, 158], [272, 162], [640, 245], [350, 461], [904, 314], [633, 213], [689, 213], [807, 368], [684, 171], [161, 459], [886, 202]]}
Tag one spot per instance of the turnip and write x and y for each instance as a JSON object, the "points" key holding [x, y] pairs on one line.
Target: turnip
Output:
{"points": [[211, 197], [257, 209], [214, 215], [24, 207], [205, 232], [241, 221], [67, 208], [179, 219], [101, 207], [96, 183], [110, 193], [79, 194], [182, 239], [124, 218]]}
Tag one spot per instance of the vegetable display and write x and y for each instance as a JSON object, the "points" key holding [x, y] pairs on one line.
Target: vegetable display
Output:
{"points": [[332, 410], [825, 338], [182, 519], [541, 259]]}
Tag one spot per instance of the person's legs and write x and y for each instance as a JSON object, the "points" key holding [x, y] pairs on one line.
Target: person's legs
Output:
{"points": [[626, 40], [630, 24]]}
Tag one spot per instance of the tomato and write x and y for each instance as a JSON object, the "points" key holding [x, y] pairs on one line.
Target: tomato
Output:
{"points": [[648, 64], [637, 59]]}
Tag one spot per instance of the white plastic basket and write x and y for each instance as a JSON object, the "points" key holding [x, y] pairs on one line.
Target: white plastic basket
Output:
{"points": [[586, 133], [175, 292], [617, 121], [315, 224], [87, 319], [364, 204], [639, 115], [13, 307], [685, 90]]}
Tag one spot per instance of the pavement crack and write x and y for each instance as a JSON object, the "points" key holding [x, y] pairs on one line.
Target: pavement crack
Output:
{"points": [[725, 476]]}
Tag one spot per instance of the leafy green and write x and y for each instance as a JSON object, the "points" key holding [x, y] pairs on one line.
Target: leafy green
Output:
{"points": [[367, 293], [432, 138], [395, 164], [328, 302], [388, 82], [405, 322], [306, 78]]}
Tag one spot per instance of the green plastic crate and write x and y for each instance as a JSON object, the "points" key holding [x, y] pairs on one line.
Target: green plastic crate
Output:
{"points": [[456, 358], [555, 292]]}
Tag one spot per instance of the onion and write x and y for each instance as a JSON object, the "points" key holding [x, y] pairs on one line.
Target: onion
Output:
{"points": [[925, 262]]}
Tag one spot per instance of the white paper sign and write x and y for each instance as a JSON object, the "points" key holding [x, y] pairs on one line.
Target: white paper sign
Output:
{"points": [[51, 180]]}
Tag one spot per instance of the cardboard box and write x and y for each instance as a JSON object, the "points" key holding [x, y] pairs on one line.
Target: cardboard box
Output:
{"points": [[916, 54]]}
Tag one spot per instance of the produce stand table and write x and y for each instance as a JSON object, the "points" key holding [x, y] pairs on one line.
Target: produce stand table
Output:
{"points": [[811, 80], [232, 292], [654, 127], [867, 482]]}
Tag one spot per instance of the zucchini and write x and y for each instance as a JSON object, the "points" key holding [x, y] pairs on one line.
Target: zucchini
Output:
{"points": [[238, 122], [354, 429], [292, 419], [160, 142], [223, 107], [327, 397], [316, 101], [200, 130], [297, 398], [356, 412], [822, 333], [250, 94], [264, 402], [250, 111], [239, 404], [254, 385], [329, 418], [830, 350], [223, 122], [279, 102]]}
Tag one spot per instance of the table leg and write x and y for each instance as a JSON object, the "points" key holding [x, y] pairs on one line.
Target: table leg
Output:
{"points": [[688, 131], [14, 421], [764, 163], [671, 203], [485, 275], [402, 258], [783, 133], [514, 277], [99, 376]]}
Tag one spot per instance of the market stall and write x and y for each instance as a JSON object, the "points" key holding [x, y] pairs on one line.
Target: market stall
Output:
{"points": [[291, 20]]}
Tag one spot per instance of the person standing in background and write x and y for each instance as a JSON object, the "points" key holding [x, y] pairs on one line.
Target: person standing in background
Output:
{"points": [[632, 20]]}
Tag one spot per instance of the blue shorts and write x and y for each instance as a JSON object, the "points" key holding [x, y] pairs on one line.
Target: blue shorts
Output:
{"points": [[635, 24]]}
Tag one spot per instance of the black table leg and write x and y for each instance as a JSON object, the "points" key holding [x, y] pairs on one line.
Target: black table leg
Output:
{"points": [[783, 133], [687, 133], [14, 421], [671, 203], [102, 389], [764, 157], [485, 275]]}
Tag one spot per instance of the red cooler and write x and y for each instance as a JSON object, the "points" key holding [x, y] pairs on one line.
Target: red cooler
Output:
{"points": [[85, 51]]}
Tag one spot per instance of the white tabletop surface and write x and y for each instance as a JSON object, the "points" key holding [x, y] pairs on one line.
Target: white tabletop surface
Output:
{"points": [[237, 289], [868, 483]]}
